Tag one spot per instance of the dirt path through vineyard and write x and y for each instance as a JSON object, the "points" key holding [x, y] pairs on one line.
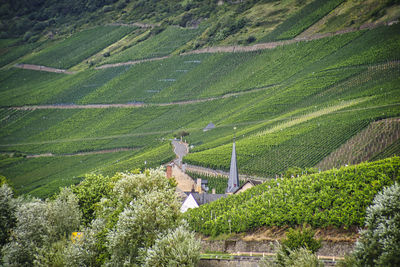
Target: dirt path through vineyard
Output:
{"points": [[95, 152], [42, 68], [138, 104], [217, 49]]}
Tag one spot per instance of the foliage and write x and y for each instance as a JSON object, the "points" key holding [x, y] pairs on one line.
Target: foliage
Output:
{"points": [[90, 250], [162, 253], [301, 238], [309, 99], [181, 134], [331, 198], [139, 225], [297, 171], [139, 214], [29, 234], [7, 214], [378, 244], [293, 257], [39, 226], [89, 192], [63, 215]]}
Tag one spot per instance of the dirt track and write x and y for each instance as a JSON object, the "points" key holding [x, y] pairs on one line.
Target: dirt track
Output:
{"points": [[224, 49], [105, 151], [133, 62], [42, 68], [132, 105]]}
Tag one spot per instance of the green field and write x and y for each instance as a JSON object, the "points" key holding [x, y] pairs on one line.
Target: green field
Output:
{"points": [[292, 105]]}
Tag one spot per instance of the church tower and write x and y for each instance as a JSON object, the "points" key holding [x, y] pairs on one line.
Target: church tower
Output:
{"points": [[233, 181]]}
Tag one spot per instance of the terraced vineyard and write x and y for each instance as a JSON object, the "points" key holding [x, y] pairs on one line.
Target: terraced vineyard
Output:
{"points": [[162, 44], [370, 142], [292, 105], [78, 47], [332, 198]]}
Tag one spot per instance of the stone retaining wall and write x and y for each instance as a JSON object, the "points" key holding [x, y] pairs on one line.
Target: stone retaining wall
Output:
{"points": [[334, 249]]}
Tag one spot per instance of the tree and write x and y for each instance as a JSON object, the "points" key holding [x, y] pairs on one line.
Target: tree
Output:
{"points": [[62, 215], [379, 244], [163, 254], [29, 234], [90, 191], [40, 228], [7, 213], [139, 212], [140, 224]]}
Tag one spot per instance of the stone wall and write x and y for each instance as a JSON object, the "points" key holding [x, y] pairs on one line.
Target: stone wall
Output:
{"points": [[334, 249]]}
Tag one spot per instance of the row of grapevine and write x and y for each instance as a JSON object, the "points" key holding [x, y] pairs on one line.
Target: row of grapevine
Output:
{"points": [[332, 198], [369, 142], [78, 47], [301, 20]]}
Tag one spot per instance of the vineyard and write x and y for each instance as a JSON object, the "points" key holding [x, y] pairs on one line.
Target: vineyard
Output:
{"points": [[160, 45], [301, 20], [367, 144], [293, 105], [338, 197], [79, 47]]}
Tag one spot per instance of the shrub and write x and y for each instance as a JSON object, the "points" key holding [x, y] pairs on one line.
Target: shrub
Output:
{"points": [[251, 39], [300, 257], [184, 252], [29, 234], [27, 36], [379, 244], [7, 212], [301, 238]]}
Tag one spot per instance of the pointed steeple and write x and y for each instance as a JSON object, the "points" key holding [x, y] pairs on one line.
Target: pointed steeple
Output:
{"points": [[233, 181]]}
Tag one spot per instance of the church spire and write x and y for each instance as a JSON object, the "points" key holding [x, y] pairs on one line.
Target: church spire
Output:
{"points": [[233, 181]]}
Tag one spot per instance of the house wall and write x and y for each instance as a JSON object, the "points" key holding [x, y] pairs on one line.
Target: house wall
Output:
{"points": [[244, 188], [189, 203]]}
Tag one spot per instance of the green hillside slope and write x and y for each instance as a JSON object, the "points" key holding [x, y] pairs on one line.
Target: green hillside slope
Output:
{"points": [[332, 198], [293, 105]]}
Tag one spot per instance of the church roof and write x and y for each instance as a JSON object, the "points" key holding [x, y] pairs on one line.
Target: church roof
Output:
{"points": [[233, 181]]}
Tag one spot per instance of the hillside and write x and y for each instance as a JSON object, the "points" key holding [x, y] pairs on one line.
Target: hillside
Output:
{"points": [[337, 197], [126, 82]]}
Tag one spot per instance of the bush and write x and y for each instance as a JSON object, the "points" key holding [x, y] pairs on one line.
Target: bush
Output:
{"points": [[27, 36], [184, 252], [379, 244], [301, 238], [300, 257], [251, 39], [7, 212]]}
